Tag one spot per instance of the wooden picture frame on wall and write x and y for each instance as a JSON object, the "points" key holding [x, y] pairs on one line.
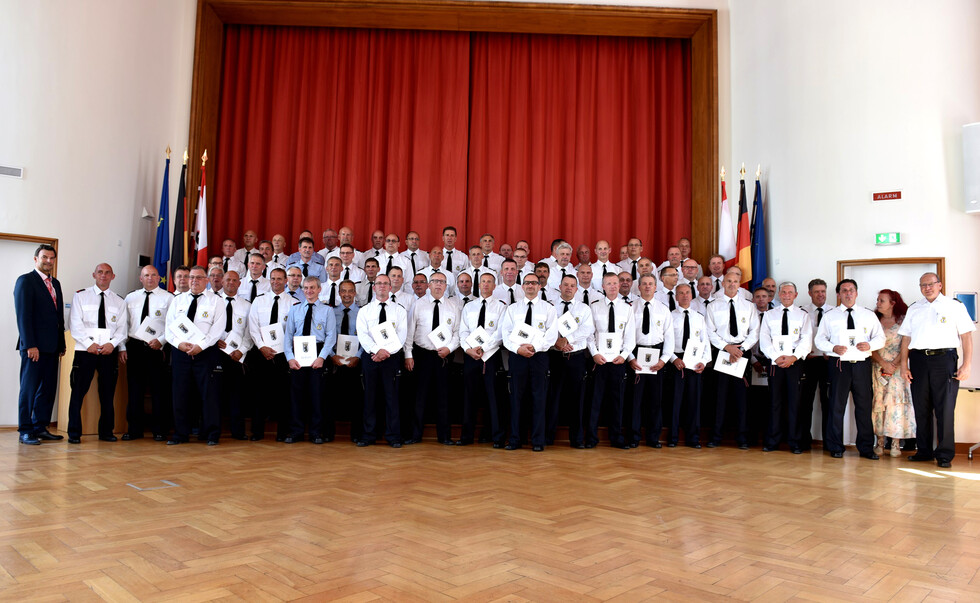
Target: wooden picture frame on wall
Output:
{"points": [[697, 25], [898, 274], [8, 236]]}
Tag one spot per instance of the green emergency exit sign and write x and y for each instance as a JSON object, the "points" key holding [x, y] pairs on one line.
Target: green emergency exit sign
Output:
{"points": [[888, 238]]}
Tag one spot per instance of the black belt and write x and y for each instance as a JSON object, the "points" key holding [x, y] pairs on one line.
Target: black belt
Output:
{"points": [[937, 351]]}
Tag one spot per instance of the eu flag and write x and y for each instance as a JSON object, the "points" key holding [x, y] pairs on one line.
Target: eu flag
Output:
{"points": [[760, 257], [161, 252]]}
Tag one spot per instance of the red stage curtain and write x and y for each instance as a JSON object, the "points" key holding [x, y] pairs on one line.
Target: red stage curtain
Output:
{"points": [[582, 138], [332, 127]]}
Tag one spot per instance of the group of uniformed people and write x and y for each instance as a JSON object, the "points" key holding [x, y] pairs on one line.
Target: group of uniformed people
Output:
{"points": [[263, 333]]}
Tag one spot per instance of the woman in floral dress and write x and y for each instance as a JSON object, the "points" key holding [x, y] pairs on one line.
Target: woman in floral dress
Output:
{"points": [[892, 412]]}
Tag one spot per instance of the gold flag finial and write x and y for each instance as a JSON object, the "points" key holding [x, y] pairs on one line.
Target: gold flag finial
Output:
{"points": [[758, 172], [742, 171], [204, 158], [722, 173], [185, 156], [168, 151]]}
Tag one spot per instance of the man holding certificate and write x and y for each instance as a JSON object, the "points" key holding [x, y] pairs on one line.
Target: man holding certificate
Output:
{"points": [[194, 326], [432, 334], [311, 334], [785, 338], [143, 352], [347, 359], [567, 360], [654, 347], [235, 342], [692, 352], [268, 370], [381, 330], [611, 346], [530, 328], [480, 338], [848, 334], [98, 325], [733, 328]]}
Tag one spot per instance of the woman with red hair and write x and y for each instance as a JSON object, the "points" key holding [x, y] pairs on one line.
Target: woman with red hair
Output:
{"points": [[892, 413]]}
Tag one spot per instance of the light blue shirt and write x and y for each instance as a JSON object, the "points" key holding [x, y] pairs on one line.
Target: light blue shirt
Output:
{"points": [[323, 327]]}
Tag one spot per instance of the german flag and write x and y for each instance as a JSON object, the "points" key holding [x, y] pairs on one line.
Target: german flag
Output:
{"points": [[743, 242]]}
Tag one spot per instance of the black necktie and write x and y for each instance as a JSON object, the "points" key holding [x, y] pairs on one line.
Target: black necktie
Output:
{"points": [[604, 270], [435, 314], [633, 272], [333, 294], [687, 330], [275, 258], [264, 270], [413, 264], [566, 306], [345, 323], [347, 273], [563, 274], [146, 306], [819, 315], [486, 261], [192, 309], [612, 318], [732, 319], [226, 265], [670, 301], [274, 315], [528, 320], [785, 328], [850, 318], [388, 267], [585, 296], [646, 318], [382, 315], [102, 310], [377, 253], [255, 290], [512, 300], [717, 284], [544, 295], [483, 314], [306, 271], [370, 291], [228, 315], [476, 276], [308, 320], [449, 261]]}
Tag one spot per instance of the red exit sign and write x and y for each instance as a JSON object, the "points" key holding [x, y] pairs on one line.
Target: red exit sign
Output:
{"points": [[887, 196]]}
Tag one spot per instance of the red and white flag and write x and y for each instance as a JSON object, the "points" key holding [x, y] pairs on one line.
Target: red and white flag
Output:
{"points": [[726, 232], [202, 224]]}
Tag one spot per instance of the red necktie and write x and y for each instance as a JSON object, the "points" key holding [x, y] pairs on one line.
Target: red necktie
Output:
{"points": [[54, 296]]}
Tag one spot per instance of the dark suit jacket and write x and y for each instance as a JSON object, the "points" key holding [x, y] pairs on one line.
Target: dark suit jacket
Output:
{"points": [[40, 323]]}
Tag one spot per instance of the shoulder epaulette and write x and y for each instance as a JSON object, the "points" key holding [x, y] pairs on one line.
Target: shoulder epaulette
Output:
{"points": [[804, 309], [80, 290], [595, 301]]}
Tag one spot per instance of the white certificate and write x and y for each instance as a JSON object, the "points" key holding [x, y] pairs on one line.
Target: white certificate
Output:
{"points": [[183, 330], [783, 345], [523, 333], [347, 346], [441, 336], [850, 338], [610, 345], [233, 343], [736, 368], [151, 328], [479, 338], [567, 324], [304, 349], [694, 353], [386, 336], [273, 337], [99, 336], [647, 358]]}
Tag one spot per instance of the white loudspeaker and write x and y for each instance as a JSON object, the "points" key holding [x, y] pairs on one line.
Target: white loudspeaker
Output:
{"points": [[971, 168]]}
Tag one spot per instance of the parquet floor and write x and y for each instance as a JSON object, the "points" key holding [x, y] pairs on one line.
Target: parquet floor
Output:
{"points": [[267, 521]]}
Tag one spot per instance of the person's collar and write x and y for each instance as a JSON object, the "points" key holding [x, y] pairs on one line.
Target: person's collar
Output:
{"points": [[43, 276]]}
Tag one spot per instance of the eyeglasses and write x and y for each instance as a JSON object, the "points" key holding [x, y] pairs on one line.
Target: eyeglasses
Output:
{"points": [[927, 285]]}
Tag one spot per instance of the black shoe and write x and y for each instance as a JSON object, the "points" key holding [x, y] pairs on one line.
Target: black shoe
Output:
{"points": [[290, 440], [395, 444], [915, 458], [498, 445], [620, 445], [129, 437], [108, 438], [655, 445], [159, 438], [256, 437], [538, 448], [72, 440], [173, 442], [711, 445], [743, 446], [410, 441], [590, 445], [578, 446], [448, 443], [944, 464], [797, 451], [694, 445], [512, 446], [463, 442], [30, 440], [327, 439], [212, 442], [360, 443], [767, 449], [836, 455], [634, 444], [871, 456], [317, 440], [240, 436], [47, 435], [671, 444]]}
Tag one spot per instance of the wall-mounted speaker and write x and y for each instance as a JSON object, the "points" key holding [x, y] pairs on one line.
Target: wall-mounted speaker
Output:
{"points": [[971, 168]]}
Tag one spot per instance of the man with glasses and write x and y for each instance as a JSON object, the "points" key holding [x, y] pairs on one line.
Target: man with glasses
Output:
{"points": [[932, 329]]}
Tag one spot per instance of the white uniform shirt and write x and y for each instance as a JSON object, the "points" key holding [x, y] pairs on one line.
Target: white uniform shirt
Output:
{"points": [[597, 272], [240, 308], [663, 295], [352, 273], [587, 295], [504, 293], [260, 313], [624, 326], [543, 319], [742, 292], [429, 270], [834, 323], [396, 260], [233, 263], [585, 331], [701, 305], [630, 266], [936, 325], [261, 285], [492, 261], [747, 325], [421, 261], [209, 316], [555, 276], [420, 323], [368, 317], [328, 286], [241, 254], [549, 294], [698, 326], [815, 315], [800, 329], [460, 261], [84, 317], [492, 318], [159, 302], [481, 270], [661, 327]]}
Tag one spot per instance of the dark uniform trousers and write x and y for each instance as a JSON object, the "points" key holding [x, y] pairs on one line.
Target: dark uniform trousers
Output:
{"points": [[83, 368], [347, 383], [686, 407], [190, 373], [381, 378], [814, 378], [147, 367], [432, 375], [229, 383], [269, 384], [934, 389], [736, 387], [37, 390], [613, 377], [566, 388], [849, 378], [784, 386], [647, 406], [306, 395], [479, 389], [528, 375]]}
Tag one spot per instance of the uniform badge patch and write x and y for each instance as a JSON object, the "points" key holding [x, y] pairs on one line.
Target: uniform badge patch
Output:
{"points": [[490, 322], [204, 314], [157, 313]]}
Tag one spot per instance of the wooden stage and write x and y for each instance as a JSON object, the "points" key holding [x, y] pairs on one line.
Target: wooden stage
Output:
{"points": [[269, 521]]}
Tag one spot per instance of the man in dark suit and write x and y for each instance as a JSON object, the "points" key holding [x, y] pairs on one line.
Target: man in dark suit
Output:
{"points": [[41, 340]]}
